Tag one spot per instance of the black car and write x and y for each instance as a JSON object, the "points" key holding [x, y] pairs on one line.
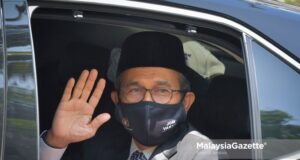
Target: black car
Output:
{"points": [[244, 59]]}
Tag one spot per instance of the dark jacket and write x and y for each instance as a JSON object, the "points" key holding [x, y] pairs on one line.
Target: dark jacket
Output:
{"points": [[112, 142]]}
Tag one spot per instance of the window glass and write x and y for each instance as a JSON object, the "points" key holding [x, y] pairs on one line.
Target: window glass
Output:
{"points": [[217, 76], [278, 98]]}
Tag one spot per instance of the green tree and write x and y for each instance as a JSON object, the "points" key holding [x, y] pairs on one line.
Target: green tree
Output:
{"points": [[293, 2], [275, 125]]}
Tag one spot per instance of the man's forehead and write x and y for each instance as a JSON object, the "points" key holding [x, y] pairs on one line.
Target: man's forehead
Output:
{"points": [[139, 83], [158, 75], [149, 70]]}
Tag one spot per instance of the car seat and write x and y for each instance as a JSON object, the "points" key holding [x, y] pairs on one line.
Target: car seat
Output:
{"points": [[223, 112]]}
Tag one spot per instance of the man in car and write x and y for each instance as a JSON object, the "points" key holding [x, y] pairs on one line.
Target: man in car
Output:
{"points": [[152, 96]]}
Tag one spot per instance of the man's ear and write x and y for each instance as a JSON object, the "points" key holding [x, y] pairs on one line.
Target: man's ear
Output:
{"points": [[114, 97], [188, 100]]}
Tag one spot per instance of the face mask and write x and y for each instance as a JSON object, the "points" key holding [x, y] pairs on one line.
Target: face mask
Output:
{"points": [[151, 123]]}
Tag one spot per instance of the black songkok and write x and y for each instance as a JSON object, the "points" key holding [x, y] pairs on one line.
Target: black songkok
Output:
{"points": [[152, 49]]}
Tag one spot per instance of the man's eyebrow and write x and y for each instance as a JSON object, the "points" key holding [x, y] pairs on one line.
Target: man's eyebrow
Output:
{"points": [[158, 82], [164, 83], [131, 83]]}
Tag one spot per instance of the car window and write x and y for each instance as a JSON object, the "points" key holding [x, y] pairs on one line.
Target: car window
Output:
{"points": [[221, 102], [63, 48], [278, 87]]}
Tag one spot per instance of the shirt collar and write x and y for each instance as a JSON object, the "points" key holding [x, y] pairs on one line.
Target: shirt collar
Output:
{"points": [[147, 152]]}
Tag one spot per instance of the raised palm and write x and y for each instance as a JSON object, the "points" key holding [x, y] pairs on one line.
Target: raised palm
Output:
{"points": [[73, 118]]}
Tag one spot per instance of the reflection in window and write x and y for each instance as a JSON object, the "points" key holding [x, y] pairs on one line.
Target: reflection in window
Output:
{"points": [[278, 100], [21, 110], [275, 124], [278, 93]]}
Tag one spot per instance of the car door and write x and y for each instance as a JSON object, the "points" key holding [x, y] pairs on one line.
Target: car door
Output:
{"points": [[18, 85]]}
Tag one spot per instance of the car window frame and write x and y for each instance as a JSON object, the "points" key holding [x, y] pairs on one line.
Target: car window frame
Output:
{"points": [[247, 33]]}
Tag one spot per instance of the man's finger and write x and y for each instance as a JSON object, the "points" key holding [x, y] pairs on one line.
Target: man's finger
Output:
{"points": [[68, 90], [80, 84], [97, 93], [99, 121], [89, 85]]}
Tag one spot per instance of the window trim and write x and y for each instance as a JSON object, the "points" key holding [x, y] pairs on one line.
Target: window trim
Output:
{"points": [[29, 12], [252, 95], [175, 11]]}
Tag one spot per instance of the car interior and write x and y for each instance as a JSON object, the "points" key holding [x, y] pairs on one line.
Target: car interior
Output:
{"points": [[67, 41]]}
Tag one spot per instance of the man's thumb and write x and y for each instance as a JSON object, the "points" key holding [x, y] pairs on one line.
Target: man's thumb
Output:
{"points": [[100, 120]]}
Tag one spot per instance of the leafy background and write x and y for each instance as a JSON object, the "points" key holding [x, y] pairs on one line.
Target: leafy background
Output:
{"points": [[291, 2]]}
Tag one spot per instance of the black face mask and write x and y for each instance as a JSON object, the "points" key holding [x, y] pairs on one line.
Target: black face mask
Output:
{"points": [[151, 123]]}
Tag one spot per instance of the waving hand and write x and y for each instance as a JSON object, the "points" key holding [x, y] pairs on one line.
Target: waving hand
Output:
{"points": [[73, 118]]}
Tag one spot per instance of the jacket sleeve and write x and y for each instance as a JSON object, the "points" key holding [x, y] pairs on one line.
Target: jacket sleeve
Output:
{"points": [[48, 152], [206, 155], [190, 148]]}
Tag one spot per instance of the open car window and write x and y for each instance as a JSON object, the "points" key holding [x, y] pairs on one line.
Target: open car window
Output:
{"points": [[66, 45]]}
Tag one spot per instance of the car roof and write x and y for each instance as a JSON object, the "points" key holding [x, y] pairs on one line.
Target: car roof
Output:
{"points": [[274, 21]]}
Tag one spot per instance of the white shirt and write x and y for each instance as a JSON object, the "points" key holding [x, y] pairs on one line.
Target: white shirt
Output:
{"points": [[49, 153]]}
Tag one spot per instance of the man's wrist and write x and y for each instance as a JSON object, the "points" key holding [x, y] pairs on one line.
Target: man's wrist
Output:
{"points": [[49, 152], [53, 142]]}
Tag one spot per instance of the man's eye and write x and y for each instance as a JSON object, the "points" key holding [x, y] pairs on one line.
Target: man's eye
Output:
{"points": [[163, 91], [134, 90]]}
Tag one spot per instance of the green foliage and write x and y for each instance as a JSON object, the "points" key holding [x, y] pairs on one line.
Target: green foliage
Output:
{"points": [[293, 2], [275, 117], [275, 125]]}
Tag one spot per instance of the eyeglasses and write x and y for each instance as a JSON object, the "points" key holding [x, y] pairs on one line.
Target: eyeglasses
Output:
{"points": [[135, 94]]}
